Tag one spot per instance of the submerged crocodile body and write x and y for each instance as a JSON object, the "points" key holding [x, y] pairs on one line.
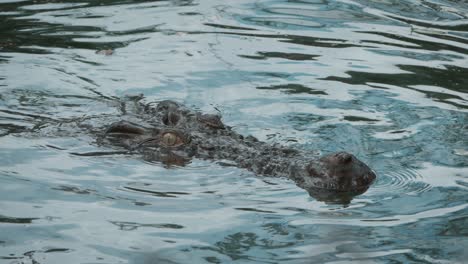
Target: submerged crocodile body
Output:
{"points": [[177, 134]]}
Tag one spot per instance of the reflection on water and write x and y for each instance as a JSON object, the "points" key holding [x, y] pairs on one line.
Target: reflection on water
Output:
{"points": [[385, 80]]}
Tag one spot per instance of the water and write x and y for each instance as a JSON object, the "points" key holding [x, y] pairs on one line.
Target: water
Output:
{"points": [[386, 80]]}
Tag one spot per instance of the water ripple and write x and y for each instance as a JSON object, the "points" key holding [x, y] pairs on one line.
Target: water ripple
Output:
{"points": [[400, 181]]}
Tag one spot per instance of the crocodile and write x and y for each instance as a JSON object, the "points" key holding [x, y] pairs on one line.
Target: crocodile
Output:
{"points": [[178, 134]]}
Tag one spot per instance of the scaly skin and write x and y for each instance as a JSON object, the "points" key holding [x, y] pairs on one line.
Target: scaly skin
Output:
{"points": [[180, 134]]}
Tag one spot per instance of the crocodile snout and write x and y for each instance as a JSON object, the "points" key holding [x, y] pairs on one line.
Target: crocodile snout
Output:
{"points": [[341, 172]]}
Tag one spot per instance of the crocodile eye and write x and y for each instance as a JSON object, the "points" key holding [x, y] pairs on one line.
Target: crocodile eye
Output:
{"points": [[171, 140]]}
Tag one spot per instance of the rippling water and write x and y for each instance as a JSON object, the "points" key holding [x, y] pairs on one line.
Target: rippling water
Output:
{"points": [[386, 80]]}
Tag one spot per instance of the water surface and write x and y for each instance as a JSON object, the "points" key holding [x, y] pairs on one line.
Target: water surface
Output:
{"points": [[386, 80]]}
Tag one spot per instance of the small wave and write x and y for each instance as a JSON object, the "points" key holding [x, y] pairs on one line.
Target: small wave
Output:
{"points": [[393, 220], [401, 181]]}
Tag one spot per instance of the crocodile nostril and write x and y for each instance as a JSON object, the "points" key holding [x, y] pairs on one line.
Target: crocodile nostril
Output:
{"points": [[344, 157]]}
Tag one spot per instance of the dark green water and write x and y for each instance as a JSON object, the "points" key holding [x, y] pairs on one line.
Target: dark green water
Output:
{"points": [[386, 80]]}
